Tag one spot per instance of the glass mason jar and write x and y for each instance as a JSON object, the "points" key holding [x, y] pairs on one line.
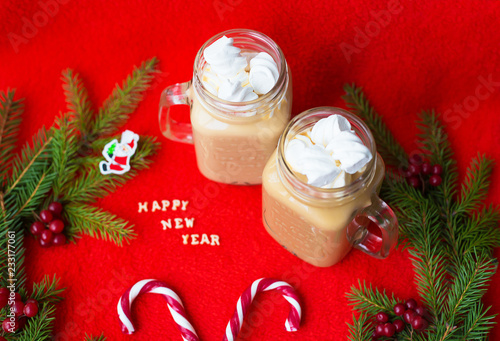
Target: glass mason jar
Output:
{"points": [[233, 140], [321, 225]]}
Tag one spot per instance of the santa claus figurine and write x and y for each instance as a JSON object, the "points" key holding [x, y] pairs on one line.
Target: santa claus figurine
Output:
{"points": [[117, 154]]}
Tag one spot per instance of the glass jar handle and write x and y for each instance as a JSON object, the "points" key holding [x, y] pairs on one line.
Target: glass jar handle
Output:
{"points": [[361, 232], [177, 94]]}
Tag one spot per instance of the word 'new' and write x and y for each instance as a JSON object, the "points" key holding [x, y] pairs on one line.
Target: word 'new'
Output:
{"points": [[165, 204]]}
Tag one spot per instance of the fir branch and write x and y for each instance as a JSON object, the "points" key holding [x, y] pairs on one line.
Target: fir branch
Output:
{"points": [[480, 232], [12, 270], [476, 185], [95, 222], [78, 101], [93, 338], [123, 101], [39, 328], [30, 160], [477, 323], [434, 142], [390, 150], [47, 290], [360, 328], [369, 300], [64, 152], [469, 285], [10, 120]]}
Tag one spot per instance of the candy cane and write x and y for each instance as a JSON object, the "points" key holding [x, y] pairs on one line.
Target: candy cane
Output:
{"points": [[264, 284], [174, 305]]}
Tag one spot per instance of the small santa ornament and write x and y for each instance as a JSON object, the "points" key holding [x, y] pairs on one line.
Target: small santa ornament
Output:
{"points": [[118, 154]]}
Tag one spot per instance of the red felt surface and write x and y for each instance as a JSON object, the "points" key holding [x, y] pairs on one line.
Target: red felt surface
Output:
{"points": [[430, 54]]}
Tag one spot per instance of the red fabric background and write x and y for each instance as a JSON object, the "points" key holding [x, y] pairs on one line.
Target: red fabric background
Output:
{"points": [[431, 54]]}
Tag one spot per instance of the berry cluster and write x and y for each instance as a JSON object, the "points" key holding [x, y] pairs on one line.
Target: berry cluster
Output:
{"points": [[19, 312], [412, 314], [418, 171], [50, 226]]}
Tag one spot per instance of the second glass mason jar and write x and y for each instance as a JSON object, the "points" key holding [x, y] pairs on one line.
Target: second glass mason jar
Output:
{"points": [[233, 140], [321, 225]]}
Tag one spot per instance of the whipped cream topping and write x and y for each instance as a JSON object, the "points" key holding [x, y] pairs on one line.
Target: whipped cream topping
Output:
{"points": [[263, 73], [235, 77], [329, 153]]}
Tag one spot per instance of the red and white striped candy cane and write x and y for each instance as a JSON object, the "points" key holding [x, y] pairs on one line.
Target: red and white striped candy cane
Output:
{"points": [[264, 284], [174, 305]]}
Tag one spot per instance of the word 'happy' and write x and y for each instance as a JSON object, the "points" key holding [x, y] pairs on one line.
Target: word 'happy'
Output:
{"points": [[165, 204]]}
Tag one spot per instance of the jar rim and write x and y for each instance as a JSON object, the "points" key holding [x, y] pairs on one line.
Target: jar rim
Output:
{"points": [[266, 102], [306, 191]]}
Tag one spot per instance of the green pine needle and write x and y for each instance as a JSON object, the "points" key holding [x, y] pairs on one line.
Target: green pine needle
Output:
{"points": [[360, 329], [476, 185], [94, 338], [390, 150], [368, 300], [47, 290], [123, 101], [95, 222], [39, 328], [78, 101], [10, 121]]}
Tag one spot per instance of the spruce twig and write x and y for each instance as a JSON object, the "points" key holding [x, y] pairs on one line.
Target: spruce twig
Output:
{"points": [[390, 150], [450, 238], [123, 101], [10, 121]]}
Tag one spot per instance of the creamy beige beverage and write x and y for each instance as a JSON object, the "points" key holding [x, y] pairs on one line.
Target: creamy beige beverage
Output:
{"points": [[240, 100], [232, 149], [320, 222]]}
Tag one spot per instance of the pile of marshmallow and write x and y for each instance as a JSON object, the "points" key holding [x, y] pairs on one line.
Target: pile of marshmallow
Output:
{"points": [[236, 78], [328, 154]]}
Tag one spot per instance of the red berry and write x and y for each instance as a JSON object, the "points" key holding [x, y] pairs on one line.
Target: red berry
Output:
{"points": [[375, 336], [46, 216], [399, 309], [408, 316], [7, 325], [418, 322], [406, 172], [379, 329], [437, 169], [382, 317], [17, 308], [399, 325], [426, 168], [414, 181], [420, 310], [389, 329], [2, 338], [4, 297], [37, 228], [30, 309], [411, 304], [3, 301], [14, 297], [21, 322], [46, 235], [56, 226], [415, 169], [435, 180], [31, 300], [45, 243], [415, 159], [59, 239], [56, 208]]}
